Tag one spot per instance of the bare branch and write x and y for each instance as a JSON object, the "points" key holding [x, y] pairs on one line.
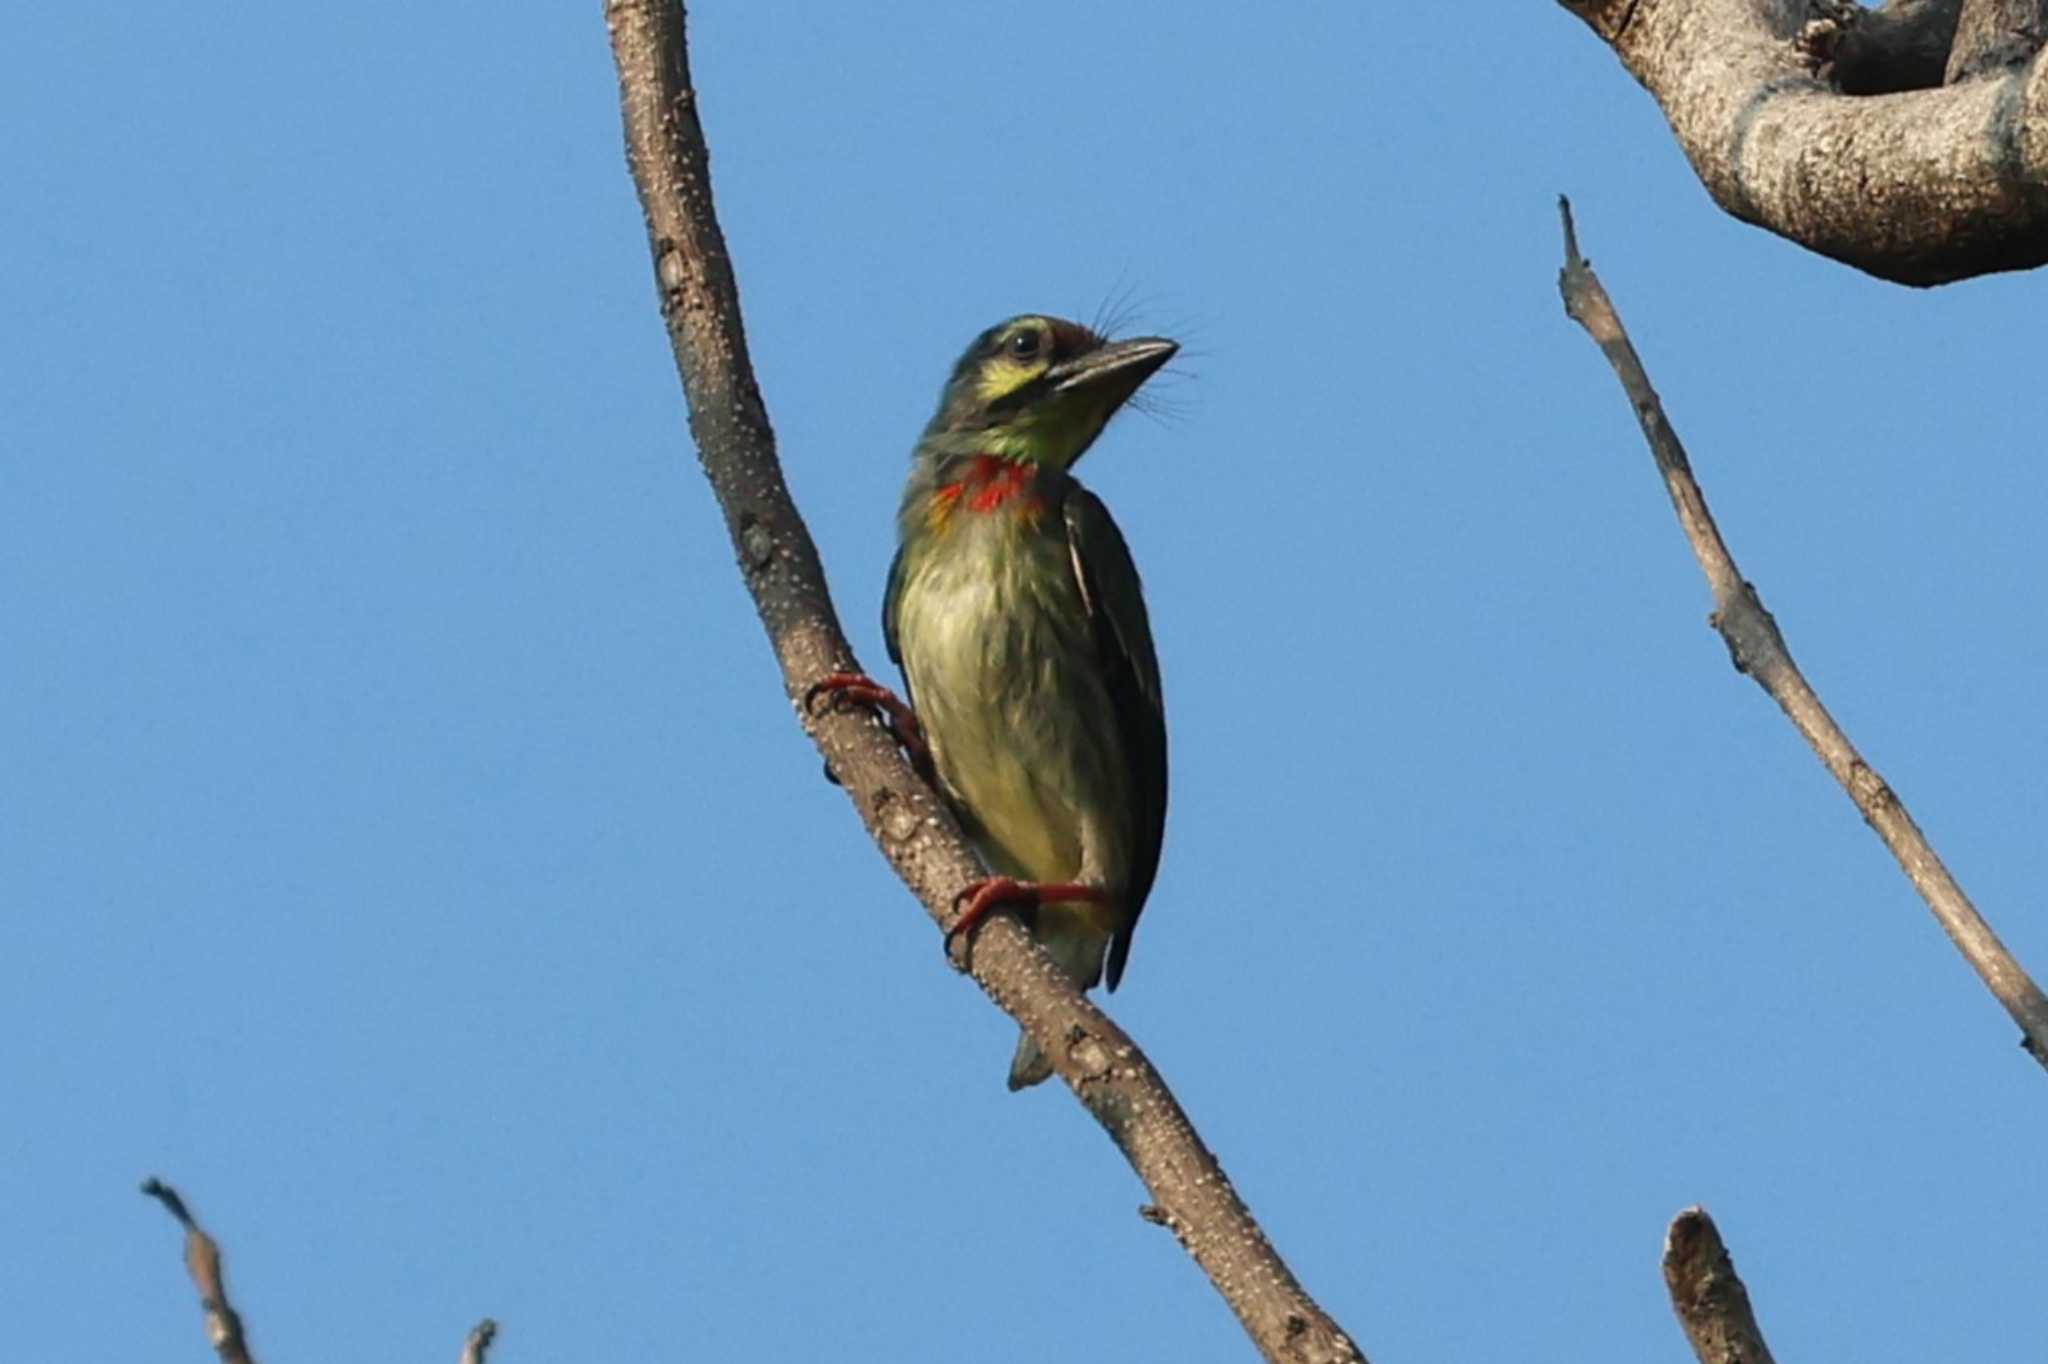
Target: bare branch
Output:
{"points": [[478, 1344], [1756, 648], [203, 1263], [1921, 188], [1711, 1303], [1100, 1063]]}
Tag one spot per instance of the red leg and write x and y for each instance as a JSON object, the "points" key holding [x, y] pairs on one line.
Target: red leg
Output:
{"points": [[901, 719], [996, 892]]}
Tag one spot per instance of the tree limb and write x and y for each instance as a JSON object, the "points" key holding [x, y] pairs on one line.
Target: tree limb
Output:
{"points": [[1708, 1295], [1756, 648], [203, 1263], [666, 152], [1920, 188]]}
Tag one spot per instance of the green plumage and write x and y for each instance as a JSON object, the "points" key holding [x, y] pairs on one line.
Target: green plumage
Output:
{"points": [[1018, 619]]}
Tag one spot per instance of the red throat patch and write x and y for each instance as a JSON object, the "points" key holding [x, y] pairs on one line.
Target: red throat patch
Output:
{"points": [[991, 484]]}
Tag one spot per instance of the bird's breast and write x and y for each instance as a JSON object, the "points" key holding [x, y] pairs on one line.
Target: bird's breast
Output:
{"points": [[999, 650], [987, 601]]}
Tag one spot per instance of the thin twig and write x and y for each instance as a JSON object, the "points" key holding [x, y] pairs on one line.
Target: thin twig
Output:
{"points": [[479, 1342], [699, 300], [203, 1263], [1708, 1295], [1756, 648]]}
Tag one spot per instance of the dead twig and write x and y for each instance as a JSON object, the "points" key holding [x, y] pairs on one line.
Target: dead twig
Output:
{"points": [[1707, 1294], [1757, 648], [203, 1263]]}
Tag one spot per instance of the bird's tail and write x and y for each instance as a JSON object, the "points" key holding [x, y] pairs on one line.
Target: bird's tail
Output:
{"points": [[1029, 1066], [1074, 939]]}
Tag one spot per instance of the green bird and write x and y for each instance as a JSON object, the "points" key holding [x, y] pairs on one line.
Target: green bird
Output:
{"points": [[1017, 618]]}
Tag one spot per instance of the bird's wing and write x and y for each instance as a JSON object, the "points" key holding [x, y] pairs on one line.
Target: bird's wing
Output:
{"points": [[890, 597], [1123, 640]]}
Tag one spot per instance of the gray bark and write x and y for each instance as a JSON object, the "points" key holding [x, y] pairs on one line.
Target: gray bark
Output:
{"points": [[1994, 34], [1920, 188]]}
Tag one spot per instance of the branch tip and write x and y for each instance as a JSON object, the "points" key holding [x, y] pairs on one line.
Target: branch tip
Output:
{"points": [[203, 1263], [166, 1195], [479, 1341], [1708, 1296], [1572, 258]]}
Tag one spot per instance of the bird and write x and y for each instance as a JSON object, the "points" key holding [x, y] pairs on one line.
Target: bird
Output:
{"points": [[1016, 616]]}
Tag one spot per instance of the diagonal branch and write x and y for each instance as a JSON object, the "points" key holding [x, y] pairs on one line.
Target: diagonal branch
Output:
{"points": [[666, 152], [203, 1263], [1756, 648], [1708, 1295], [1919, 188]]}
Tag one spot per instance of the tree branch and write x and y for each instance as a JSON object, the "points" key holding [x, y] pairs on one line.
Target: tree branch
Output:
{"points": [[209, 1276], [478, 1342], [1756, 648], [1707, 1294], [1920, 188], [666, 152], [203, 1263]]}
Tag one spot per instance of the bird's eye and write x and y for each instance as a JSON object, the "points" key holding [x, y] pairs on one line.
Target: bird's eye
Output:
{"points": [[1024, 346]]}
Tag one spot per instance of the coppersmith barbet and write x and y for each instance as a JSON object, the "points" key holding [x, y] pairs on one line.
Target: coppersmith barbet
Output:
{"points": [[1016, 615]]}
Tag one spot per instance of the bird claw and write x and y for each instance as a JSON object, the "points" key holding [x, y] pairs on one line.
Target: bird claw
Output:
{"points": [[899, 719], [983, 897]]}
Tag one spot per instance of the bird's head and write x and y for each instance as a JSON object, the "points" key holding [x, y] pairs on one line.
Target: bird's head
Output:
{"points": [[1039, 390]]}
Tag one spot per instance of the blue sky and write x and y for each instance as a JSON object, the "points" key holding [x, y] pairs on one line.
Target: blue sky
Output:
{"points": [[406, 850]]}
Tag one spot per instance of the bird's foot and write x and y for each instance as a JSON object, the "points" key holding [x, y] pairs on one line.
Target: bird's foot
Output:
{"points": [[900, 720], [1001, 892]]}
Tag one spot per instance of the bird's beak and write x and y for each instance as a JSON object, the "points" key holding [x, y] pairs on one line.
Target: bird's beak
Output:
{"points": [[1115, 369]]}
